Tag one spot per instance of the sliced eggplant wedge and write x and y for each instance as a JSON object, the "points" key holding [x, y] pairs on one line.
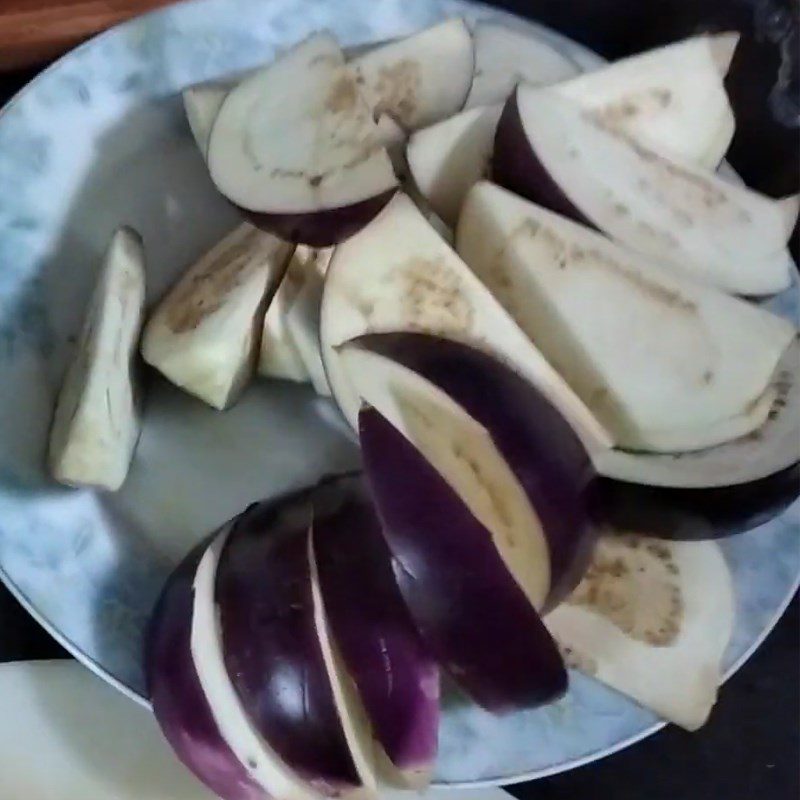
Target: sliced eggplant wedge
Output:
{"points": [[666, 364], [421, 79], [553, 152], [448, 158], [269, 643], [303, 317], [506, 56], [205, 334], [202, 104], [296, 147], [97, 418], [476, 618], [651, 619], [671, 99], [399, 274], [536, 476], [378, 662]]}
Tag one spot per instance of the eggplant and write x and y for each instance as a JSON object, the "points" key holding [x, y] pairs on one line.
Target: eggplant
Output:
{"points": [[205, 334], [474, 617], [97, 419], [202, 104], [506, 56], [671, 98], [295, 146], [552, 151], [652, 619], [378, 649], [420, 79], [448, 158], [526, 431], [667, 364], [271, 648], [179, 701], [416, 282]]}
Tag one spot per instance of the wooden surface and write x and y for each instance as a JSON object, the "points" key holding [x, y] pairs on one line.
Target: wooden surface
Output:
{"points": [[35, 31]]}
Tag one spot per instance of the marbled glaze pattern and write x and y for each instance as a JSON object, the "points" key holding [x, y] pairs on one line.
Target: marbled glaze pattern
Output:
{"points": [[99, 140]]}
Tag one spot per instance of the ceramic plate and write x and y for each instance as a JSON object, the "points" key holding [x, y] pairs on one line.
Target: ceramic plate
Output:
{"points": [[98, 140]]}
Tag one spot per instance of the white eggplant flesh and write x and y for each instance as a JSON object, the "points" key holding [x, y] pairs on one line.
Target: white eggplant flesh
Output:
{"points": [[66, 735], [280, 357], [398, 274], [465, 455], [303, 318], [297, 138], [202, 104], [505, 57], [205, 335], [97, 419], [448, 158], [671, 99], [651, 619], [420, 79], [665, 363], [716, 230]]}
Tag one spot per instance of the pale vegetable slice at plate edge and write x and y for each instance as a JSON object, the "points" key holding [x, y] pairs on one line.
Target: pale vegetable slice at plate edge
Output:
{"points": [[97, 419], [652, 619]]}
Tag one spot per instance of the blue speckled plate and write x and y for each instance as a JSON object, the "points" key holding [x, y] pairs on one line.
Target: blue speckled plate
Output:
{"points": [[98, 140]]}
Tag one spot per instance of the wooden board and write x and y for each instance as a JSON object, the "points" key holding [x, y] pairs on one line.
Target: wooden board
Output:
{"points": [[35, 31]]}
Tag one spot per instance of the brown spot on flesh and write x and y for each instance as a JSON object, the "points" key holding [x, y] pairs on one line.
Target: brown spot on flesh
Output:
{"points": [[397, 89], [202, 294], [632, 583], [577, 660], [343, 95]]}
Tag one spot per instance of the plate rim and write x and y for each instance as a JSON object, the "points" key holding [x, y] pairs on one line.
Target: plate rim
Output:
{"points": [[585, 56]]}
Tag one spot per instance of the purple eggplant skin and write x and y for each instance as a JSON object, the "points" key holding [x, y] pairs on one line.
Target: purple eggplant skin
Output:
{"points": [[179, 703], [270, 644], [516, 167], [469, 609], [321, 228], [397, 679], [539, 445], [696, 514]]}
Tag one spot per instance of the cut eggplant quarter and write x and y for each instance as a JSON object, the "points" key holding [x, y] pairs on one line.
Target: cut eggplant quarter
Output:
{"points": [[399, 274], [448, 158], [652, 619], [303, 317], [477, 619], [666, 364], [181, 705], [67, 735], [387, 683], [205, 335], [97, 418], [508, 453], [421, 79], [671, 99], [552, 152], [271, 646], [505, 57], [295, 145], [202, 104]]}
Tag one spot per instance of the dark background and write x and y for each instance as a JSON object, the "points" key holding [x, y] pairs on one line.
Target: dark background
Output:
{"points": [[750, 749]]}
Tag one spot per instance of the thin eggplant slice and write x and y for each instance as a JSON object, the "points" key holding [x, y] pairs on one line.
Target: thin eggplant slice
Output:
{"points": [[652, 619], [552, 151], [97, 418], [474, 616]]}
